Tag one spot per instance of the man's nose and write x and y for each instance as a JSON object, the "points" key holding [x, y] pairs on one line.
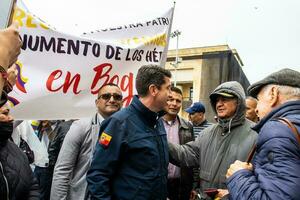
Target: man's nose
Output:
{"points": [[111, 99], [172, 102], [219, 102]]}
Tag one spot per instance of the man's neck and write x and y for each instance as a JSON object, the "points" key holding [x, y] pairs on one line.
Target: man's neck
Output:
{"points": [[102, 115], [198, 124], [168, 117], [148, 102]]}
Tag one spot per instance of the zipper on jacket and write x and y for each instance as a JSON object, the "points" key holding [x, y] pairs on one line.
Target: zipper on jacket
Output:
{"points": [[6, 183], [160, 158]]}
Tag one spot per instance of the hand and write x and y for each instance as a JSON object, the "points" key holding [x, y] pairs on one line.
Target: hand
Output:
{"points": [[193, 195], [222, 193], [12, 75], [4, 114], [10, 46], [236, 166]]}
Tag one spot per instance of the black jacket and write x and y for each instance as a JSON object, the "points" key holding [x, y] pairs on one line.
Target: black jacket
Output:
{"points": [[131, 158], [54, 147], [16, 178]]}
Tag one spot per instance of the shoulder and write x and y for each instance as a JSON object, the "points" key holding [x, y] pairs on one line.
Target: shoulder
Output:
{"points": [[246, 128], [82, 124], [275, 129], [13, 153], [15, 164], [122, 114], [248, 124], [184, 123], [79, 129], [210, 131], [208, 123], [115, 122]]}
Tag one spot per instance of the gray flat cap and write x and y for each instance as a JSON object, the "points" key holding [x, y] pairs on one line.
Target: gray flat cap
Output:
{"points": [[287, 77]]}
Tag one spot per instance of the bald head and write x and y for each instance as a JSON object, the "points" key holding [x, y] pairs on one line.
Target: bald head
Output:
{"points": [[251, 104]]}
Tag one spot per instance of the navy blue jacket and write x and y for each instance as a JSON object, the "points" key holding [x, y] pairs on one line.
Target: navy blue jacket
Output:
{"points": [[133, 163], [276, 164]]}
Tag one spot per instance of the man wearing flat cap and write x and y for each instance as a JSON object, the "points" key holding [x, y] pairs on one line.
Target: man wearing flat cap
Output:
{"points": [[275, 170], [219, 145], [197, 117]]}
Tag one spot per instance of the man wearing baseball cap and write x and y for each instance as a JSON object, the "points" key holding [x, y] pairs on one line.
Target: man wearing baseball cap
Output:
{"points": [[275, 170], [197, 117]]}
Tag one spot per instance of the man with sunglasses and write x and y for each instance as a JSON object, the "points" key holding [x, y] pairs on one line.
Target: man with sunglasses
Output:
{"points": [[69, 179], [131, 156]]}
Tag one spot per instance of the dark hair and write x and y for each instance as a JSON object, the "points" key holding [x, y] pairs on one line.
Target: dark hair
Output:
{"points": [[176, 89], [107, 84], [150, 74]]}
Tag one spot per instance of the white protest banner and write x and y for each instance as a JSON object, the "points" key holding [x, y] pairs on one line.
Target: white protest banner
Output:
{"points": [[59, 75]]}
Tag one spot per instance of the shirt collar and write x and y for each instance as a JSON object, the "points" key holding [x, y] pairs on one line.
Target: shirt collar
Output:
{"points": [[148, 115]]}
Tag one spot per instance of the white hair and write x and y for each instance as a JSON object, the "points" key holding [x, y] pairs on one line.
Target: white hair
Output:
{"points": [[289, 92]]}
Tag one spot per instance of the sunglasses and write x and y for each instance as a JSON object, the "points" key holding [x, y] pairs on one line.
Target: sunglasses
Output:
{"points": [[107, 96]]}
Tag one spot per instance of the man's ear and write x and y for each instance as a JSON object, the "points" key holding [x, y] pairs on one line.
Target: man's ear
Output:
{"points": [[274, 94], [153, 90]]}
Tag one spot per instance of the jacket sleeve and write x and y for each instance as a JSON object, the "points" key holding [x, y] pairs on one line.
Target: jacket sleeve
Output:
{"points": [[105, 159], [186, 155], [66, 160], [276, 168]]}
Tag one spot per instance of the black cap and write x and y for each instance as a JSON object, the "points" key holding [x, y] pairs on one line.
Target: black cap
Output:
{"points": [[287, 77]]}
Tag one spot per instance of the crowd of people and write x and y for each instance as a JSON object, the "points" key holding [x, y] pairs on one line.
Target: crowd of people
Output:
{"points": [[147, 151]]}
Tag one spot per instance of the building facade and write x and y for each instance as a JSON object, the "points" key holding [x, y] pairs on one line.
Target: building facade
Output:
{"points": [[200, 70]]}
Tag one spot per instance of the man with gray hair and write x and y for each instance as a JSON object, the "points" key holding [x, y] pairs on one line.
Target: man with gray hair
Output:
{"points": [[275, 170]]}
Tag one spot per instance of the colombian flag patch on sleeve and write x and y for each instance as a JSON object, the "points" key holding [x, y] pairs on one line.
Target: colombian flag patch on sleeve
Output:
{"points": [[104, 139]]}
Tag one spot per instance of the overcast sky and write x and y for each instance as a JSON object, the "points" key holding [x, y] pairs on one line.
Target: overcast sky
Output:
{"points": [[266, 33]]}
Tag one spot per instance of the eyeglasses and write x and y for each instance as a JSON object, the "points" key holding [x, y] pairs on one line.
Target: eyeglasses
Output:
{"points": [[107, 96]]}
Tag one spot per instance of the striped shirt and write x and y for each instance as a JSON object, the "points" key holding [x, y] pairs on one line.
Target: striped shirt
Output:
{"points": [[197, 129]]}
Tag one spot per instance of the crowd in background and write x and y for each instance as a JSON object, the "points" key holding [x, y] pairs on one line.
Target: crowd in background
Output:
{"points": [[147, 150]]}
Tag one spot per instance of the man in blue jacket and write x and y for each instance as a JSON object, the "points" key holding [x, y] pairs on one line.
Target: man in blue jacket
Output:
{"points": [[275, 170], [131, 156]]}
